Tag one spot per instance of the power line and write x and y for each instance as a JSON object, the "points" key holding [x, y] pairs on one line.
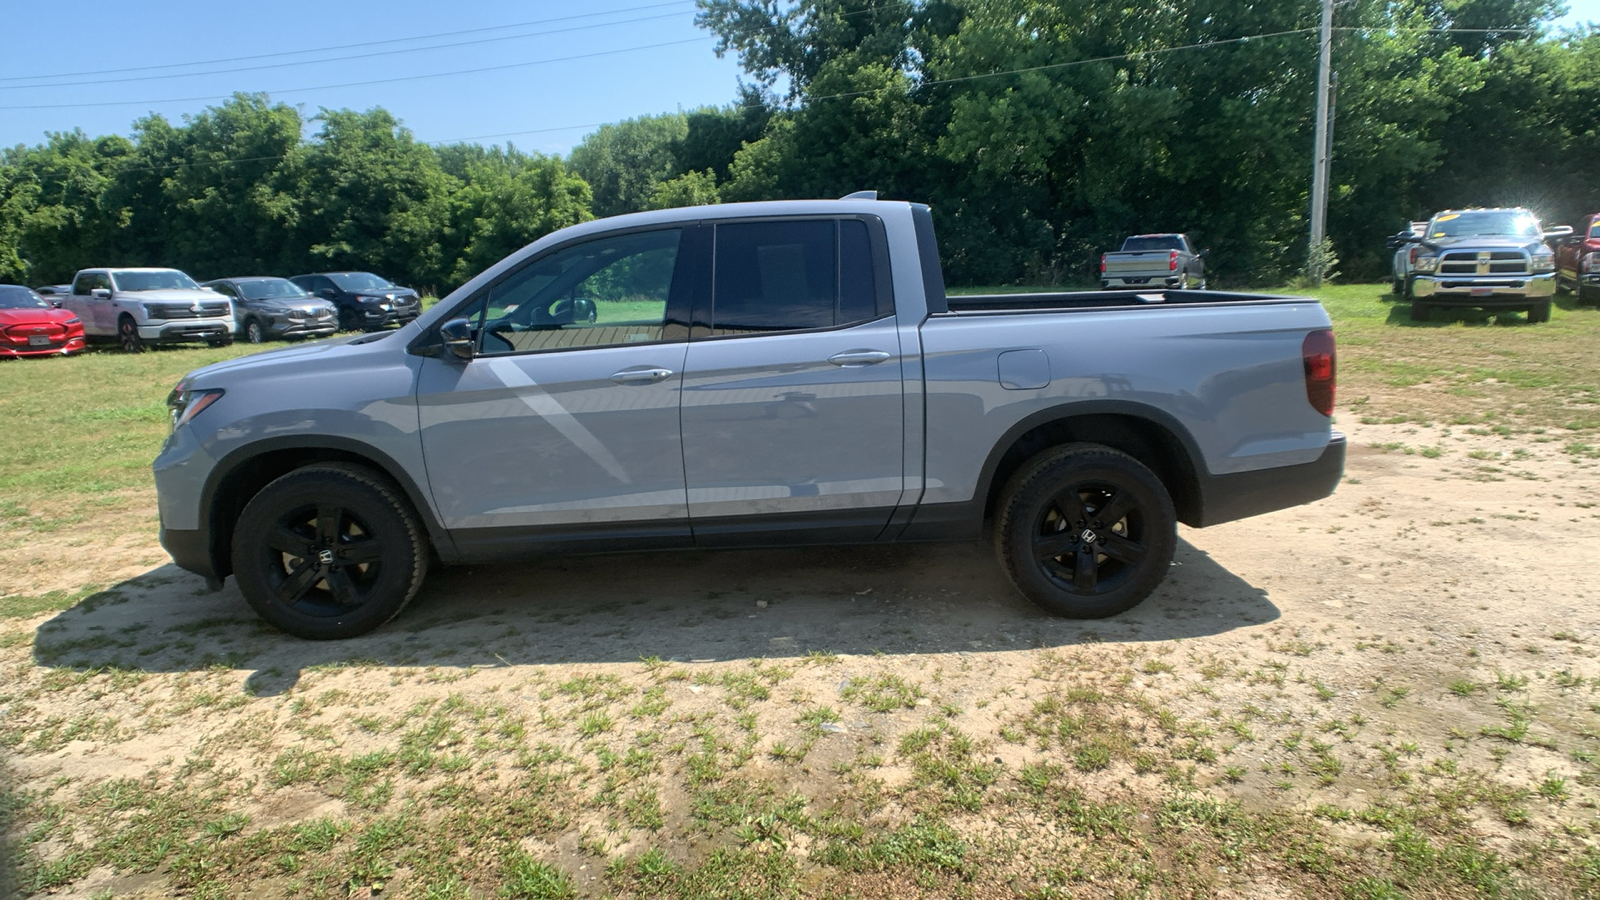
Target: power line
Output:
{"points": [[286, 65], [327, 87], [402, 40]]}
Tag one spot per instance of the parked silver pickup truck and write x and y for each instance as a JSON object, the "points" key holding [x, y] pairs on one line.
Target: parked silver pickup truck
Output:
{"points": [[1491, 259], [136, 307], [1154, 260], [757, 374]]}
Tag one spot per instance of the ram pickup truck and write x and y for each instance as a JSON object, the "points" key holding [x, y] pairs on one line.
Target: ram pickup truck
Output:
{"points": [[1491, 259], [136, 307], [1578, 261], [761, 374], [1154, 260]]}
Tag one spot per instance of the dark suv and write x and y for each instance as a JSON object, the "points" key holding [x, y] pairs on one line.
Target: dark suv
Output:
{"points": [[364, 300]]}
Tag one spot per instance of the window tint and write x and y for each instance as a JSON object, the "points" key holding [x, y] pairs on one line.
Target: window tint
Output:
{"points": [[601, 293], [782, 276], [80, 285]]}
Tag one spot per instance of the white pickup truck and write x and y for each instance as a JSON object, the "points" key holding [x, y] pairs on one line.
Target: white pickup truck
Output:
{"points": [[135, 307], [1154, 261]]}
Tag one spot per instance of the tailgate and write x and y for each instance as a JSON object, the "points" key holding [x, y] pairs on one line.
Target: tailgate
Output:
{"points": [[1142, 262]]}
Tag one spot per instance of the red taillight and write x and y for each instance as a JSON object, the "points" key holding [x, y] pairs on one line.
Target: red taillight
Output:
{"points": [[1172, 260], [1321, 369], [1413, 256], [1102, 264]]}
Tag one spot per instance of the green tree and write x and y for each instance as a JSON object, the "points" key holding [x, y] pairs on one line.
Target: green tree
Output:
{"points": [[624, 162]]}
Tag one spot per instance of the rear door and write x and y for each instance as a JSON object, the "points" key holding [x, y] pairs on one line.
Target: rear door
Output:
{"points": [[792, 410], [561, 430]]}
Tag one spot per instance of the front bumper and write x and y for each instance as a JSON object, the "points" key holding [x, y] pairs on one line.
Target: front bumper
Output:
{"points": [[188, 330], [65, 348], [1483, 291], [191, 550]]}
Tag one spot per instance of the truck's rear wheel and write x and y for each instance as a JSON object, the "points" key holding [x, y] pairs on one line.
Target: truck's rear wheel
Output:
{"points": [[329, 551], [1085, 531]]}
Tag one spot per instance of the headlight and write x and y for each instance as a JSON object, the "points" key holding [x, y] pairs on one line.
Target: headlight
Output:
{"points": [[184, 404], [1543, 262], [73, 321], [155, 310], [1591, 262], [1423, 261]]}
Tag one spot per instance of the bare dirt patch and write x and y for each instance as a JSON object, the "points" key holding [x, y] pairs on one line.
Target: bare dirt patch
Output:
{"points": [[1393, 690]]}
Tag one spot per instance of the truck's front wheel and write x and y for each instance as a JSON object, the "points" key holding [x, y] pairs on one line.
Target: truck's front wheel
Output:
{"points": [[329, 551], [1085, 531], [128, 335]]}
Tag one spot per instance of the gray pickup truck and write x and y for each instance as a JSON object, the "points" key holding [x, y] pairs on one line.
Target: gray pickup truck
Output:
{"points": [[1154, 260], [1490, 259], [764, 374]]}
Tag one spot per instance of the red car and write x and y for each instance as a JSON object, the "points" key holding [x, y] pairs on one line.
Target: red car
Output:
{"points": [[31, 327], [1578, 261]]}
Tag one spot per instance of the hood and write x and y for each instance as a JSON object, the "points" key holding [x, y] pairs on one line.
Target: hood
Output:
{"points": [[317, 353], [34, 316], [1487, 242], [176, 295]]}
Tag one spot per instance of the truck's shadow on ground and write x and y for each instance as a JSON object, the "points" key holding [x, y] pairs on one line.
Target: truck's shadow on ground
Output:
{"points": [[607, 609]]}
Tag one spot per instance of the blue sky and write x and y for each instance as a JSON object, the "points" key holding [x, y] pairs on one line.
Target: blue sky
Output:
{"points": [[551, 81]]}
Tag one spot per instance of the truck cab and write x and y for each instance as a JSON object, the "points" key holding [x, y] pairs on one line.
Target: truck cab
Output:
{"points": [[140, 306], [1578, 261]]}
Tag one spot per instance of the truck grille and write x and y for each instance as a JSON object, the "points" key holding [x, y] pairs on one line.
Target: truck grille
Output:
{"points": [[1483, 262], [187, 311]]}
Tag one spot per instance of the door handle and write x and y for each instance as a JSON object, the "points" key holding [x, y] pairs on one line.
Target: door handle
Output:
{"points": [[642, 375], [858, 358]]}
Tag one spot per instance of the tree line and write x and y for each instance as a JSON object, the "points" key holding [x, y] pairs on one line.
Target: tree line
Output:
{"points": [[1039, 132]]}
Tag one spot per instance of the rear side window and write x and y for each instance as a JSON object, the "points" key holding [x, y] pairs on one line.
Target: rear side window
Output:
{"points": [[786, 276]]}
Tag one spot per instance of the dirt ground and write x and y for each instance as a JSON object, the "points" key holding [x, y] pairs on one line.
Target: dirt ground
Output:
{"points": [[1404, 609]]}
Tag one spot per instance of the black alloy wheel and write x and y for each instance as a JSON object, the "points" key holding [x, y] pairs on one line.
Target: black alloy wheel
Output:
{"points": [[253, 332], [128, 336], [347, 319], [1086, 531], [329, 551]]}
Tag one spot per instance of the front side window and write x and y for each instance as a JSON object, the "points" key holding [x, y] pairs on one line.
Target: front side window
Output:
{"points": [[607, 292], [785, 276]]}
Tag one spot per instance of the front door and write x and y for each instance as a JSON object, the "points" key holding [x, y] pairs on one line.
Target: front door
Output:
{"points": [[793, 428], [563, 427]]}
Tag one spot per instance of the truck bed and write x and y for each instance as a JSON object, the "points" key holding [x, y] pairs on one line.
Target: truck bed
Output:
{"points": [[1066, 301]]}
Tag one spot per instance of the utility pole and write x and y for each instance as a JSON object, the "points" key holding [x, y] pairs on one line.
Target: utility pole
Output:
{"points": [[1319, 155]]}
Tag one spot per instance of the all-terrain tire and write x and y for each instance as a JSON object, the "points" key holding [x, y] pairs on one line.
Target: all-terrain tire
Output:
{"points": [[329, 551], [1085, 531]]}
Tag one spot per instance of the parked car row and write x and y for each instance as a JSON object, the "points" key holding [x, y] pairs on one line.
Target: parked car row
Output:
{"points": [[136, 307], [1491, 259]]}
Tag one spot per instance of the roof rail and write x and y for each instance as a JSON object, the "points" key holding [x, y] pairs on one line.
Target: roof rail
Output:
{"points": [[861, 195]]}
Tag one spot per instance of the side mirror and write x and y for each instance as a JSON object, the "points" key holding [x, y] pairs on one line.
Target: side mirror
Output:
{"points": [[100, 294], [326, 292], [1203, 254], [1558, 231], [457, 337], [56, 303]]}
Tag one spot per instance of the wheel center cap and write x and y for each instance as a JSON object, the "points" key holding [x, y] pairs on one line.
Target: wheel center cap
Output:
{"points": [[325, 556], [1088, 536]]}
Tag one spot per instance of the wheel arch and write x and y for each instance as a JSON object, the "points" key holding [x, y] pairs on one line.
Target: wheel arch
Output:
{"points": [[241, 474], [1149, 435]]}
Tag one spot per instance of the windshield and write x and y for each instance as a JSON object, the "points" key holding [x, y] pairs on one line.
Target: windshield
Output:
{"points": [[17, 297], [360, 281], [271, 289], [154, 280], [1509, 222], [1153, 242]]}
